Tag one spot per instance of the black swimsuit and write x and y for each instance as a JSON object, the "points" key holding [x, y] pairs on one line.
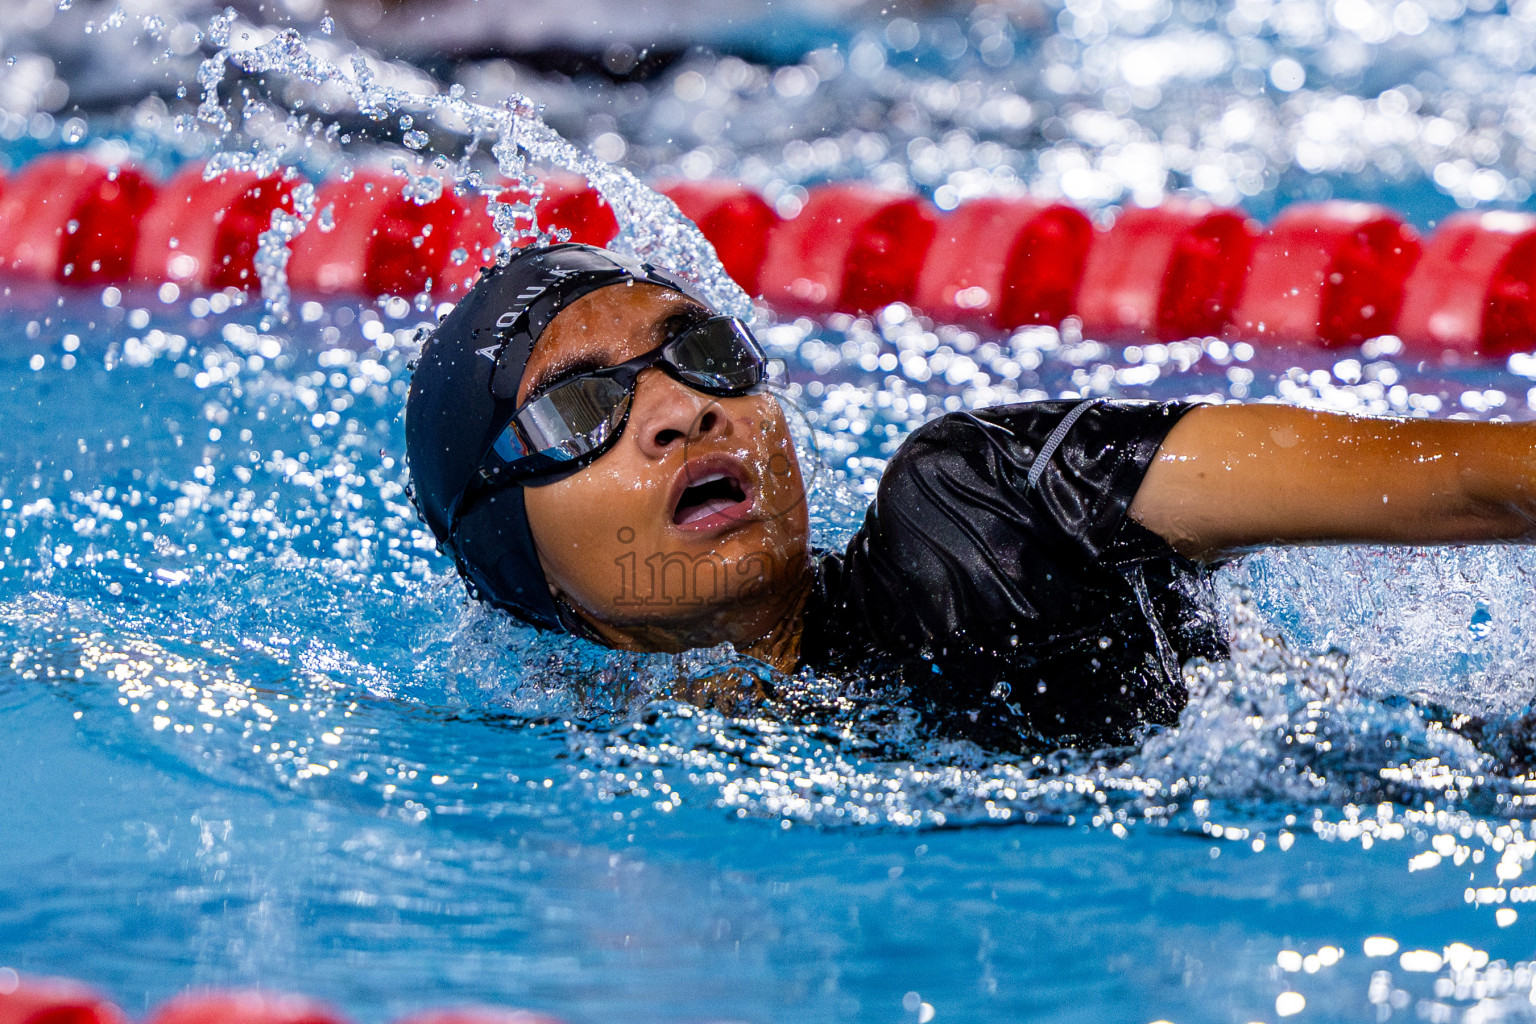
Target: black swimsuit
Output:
{"points": [[998, 578]]}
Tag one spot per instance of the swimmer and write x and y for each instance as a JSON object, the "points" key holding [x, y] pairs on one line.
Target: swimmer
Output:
{"points": [[592, 445]]}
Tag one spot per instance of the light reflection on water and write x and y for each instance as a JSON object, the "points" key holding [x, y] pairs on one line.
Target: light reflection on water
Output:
{"points": [[255, 733], [221, 608]]}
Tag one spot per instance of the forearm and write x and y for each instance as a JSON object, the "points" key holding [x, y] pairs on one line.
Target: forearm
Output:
{"points": [[1232, 478]]}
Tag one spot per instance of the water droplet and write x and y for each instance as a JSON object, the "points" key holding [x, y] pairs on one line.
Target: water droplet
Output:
{"points": [[219, 25], [513, 132], [1481, 623]]}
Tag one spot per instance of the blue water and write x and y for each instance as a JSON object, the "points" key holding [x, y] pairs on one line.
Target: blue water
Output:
{"points": [[253, 732]]}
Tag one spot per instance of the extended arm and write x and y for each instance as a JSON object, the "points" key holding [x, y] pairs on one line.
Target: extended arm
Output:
{"points": [[1230, 478]]}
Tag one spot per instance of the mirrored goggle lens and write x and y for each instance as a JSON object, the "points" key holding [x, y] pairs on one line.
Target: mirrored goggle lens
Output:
{"points": [[719, 355], [576, 418]]}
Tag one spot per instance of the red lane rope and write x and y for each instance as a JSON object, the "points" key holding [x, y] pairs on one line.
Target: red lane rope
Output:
{"points": [[1329, 274], [31, 1000]]}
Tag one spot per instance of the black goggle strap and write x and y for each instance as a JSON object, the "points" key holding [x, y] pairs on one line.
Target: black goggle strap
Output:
{"points": [[482, 477]]}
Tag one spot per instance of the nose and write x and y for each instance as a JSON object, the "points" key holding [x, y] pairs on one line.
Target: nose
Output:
{"points": [[668, 414]]}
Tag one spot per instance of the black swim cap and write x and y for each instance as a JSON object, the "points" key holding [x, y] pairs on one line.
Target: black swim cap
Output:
{"points": [[463, 391]]}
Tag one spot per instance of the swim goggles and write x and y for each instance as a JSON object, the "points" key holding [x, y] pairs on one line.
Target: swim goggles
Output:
{"points": [[573, 420]]}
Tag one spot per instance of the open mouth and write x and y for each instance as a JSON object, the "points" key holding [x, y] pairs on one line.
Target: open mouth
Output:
{"points": [[709, 495]]}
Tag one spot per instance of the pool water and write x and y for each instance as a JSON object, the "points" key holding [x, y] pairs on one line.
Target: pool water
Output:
{"points": [[254, 733]]}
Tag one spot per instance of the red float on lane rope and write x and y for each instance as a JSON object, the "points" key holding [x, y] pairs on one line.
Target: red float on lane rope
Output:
{"points": [[1472, 291], [1168, 272], [205, 233], [1327, 273], [570, 202], [72, 220], [1331, 274], [55, 1001], [250, 1007], [852, 247], [1005, 263], [473, 245], [382, 242], [736, 220]]}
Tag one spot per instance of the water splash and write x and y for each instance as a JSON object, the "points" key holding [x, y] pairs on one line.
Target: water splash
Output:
{"points": [[280, 580], [230, 588], [273, 248], [1289, 726], [650, 225]]}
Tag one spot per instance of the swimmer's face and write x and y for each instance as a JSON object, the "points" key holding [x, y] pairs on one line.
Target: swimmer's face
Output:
{"points": [[685, 532]]}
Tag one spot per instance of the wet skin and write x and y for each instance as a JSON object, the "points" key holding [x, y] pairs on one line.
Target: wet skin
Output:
{"points": [[692, 529], [649, 561]]}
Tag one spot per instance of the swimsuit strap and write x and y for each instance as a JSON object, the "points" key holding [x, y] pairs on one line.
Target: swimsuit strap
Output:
{"points": [[1053, 442]]}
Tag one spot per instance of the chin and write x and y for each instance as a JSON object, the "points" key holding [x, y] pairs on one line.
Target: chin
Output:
{"points": [[694, 584]]}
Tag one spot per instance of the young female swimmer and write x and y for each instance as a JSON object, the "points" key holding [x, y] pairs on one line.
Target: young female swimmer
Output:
{"points": [[592, 446]]}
